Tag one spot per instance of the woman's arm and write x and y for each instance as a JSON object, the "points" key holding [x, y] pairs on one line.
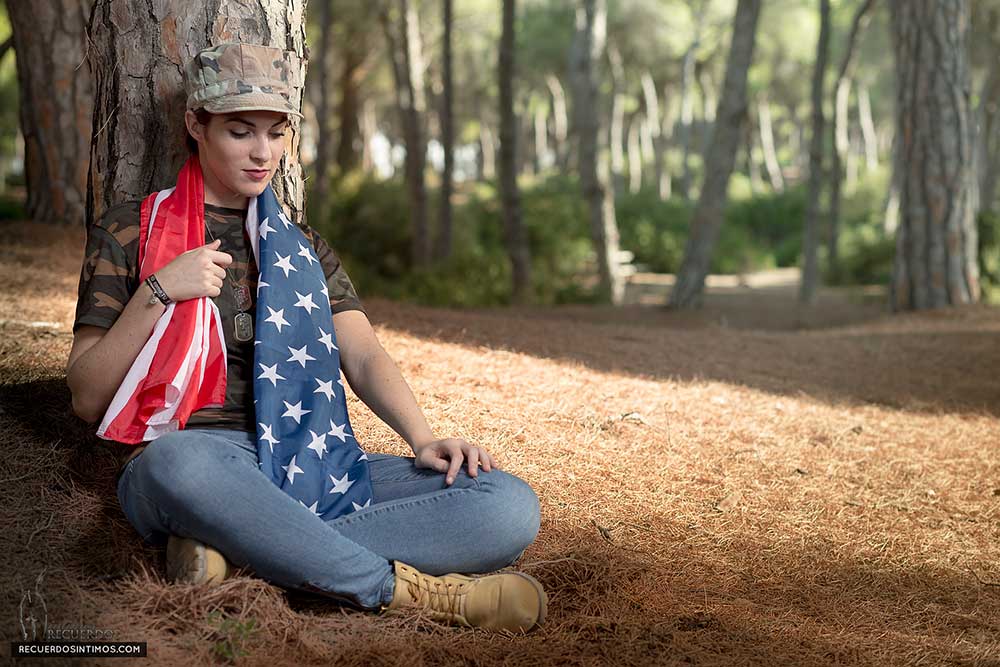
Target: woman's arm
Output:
{"points": [[100, 358], [376, 380]]}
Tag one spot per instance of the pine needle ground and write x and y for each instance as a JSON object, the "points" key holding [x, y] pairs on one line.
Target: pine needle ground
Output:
{"points": [[741, 485]]}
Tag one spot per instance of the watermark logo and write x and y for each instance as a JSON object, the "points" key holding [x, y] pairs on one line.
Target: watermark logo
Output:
{"points": [[34, 615]]}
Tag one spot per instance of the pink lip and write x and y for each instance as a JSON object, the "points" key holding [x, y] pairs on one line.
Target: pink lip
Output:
{"points": [[256, 174]]}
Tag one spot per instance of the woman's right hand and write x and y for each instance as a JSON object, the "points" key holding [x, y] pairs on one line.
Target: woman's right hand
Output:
{"points": [[195, 273]]}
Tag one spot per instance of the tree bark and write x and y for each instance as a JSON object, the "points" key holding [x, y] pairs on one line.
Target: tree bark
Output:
{"points": [[892, 199], [663, 179], [513, 226], [543, 155], [767, 145], [753, 165], [868, 132], [406, 54], [634, 156], [324, 133], [487, 152], [988, 116], [936, 255], [839, 130], [687, 101], [56, 105], [709, 102], [616, 139], [355, 55], [720, 157], [810, 238], [138, 50], [653, 128], [588, 43], [560, 121], [442, 246]]}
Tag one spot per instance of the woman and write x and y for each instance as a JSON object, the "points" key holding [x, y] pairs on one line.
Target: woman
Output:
{"points": [[204, 480]]}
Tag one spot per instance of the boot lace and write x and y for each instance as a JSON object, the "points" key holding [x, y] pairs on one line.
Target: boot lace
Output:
{"points": [[437, 594]]}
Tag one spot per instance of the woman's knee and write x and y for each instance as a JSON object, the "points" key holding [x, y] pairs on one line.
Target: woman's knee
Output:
{"points": [[516, 512], [178, 464]]}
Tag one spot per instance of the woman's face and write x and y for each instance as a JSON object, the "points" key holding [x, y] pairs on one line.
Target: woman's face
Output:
{"points": [[239, 152]]}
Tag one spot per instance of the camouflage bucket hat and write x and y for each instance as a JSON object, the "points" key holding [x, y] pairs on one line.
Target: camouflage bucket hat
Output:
{"points": [[241, 77]]}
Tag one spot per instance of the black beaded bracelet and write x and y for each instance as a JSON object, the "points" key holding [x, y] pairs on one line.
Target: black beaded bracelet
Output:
{"points": [[158, 293]]}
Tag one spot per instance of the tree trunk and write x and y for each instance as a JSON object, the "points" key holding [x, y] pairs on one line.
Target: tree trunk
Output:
{"points": [[634, 156], [369, 127], [616, 140], [408, 72], [487, 152], [852, 163], [653, 127], [443, 244], [868, 129], [936, 255], [720, 157], [663, 179], [892, 199], [56, 105], [355, 54], [543, 155], [513, 226], [560, 122], [709, 102], [588, 43], [841, 140], [753, 166], [988, 116], [138, 144], [810, 239], [324, 133], [687, 101], [767, 145]]}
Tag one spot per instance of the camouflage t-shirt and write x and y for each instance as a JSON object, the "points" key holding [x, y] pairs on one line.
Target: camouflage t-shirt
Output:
{"points": [[109, 278]]}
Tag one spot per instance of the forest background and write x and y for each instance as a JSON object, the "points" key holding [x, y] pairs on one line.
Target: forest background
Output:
{"points": [[377, 82], [752, 482]]}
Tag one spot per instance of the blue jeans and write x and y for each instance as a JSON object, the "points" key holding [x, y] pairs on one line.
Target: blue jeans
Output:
{"points": [[206, 484]]}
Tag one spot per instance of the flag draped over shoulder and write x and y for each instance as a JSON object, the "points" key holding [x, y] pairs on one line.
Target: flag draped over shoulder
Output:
{"points": [[182, 367], [305, 443]]}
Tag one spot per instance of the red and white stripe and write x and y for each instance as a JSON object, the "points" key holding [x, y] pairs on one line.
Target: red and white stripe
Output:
{"points": [[182, 367]]}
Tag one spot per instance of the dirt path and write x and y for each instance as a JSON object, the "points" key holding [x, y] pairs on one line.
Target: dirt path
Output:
{"points": [[748, 484]]}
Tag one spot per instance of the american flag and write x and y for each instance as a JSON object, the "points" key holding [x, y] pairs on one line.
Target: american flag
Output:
{"points": [[304, 438]]}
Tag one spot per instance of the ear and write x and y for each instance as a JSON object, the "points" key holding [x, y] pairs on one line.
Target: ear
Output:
{"points": [[194, 128]]}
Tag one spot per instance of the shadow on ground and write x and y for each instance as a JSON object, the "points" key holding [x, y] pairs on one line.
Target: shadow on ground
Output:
{"points": [[937, 361]]}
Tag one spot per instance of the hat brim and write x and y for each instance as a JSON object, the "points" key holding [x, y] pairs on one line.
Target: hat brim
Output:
{"points": [[255, 101]]}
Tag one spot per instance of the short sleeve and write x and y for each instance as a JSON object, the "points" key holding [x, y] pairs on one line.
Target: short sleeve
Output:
{"points": [[343, 296], [108, 275]]}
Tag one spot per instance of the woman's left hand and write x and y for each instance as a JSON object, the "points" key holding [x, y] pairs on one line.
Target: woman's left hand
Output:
{"points": [[447, 454]]}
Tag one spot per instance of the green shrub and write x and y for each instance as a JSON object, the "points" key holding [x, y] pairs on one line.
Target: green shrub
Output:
{"points": [[988, 225], [12, 209], [367, 222]]}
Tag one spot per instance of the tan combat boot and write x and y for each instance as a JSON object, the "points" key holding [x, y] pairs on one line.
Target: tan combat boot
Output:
{"points": [[509, 601], [192, 562]]}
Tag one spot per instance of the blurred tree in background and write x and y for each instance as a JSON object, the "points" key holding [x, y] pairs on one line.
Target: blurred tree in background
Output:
{"points": [[405, 128]]}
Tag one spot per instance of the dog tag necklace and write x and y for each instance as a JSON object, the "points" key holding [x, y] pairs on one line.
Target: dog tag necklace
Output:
{"points": [[242, 322]]}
